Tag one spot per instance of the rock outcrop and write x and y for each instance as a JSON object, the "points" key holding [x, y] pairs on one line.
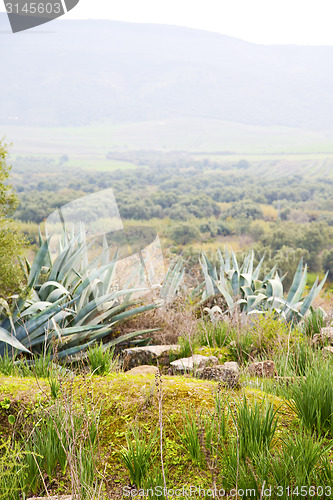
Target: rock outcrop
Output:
{"points": [[148, 355], [262, 369], [195, 362], [142, 370], [324, 337], [228, 374]]}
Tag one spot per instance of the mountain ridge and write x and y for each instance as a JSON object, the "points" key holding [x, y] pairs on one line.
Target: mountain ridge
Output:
{"points": [[91, 70]]}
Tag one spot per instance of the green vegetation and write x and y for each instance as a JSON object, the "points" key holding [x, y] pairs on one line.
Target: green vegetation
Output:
{"points": [[11, 240], [72, 303], [240, 287], [312, 398], [102, 360], [200, 202], [72, 421], [137, 454]]}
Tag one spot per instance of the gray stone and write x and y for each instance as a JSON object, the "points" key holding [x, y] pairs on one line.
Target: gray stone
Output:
{"points": [[232, 365], [143, 370], [325, 335], [228, 374], [196, 361], [148, 355], [262, 369]]}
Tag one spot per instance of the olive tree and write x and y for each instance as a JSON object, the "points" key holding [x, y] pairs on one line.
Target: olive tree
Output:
{"points": [[12, 242]]}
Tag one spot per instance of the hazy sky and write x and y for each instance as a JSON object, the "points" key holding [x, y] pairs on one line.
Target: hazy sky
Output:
{"points": [[303, 22]]}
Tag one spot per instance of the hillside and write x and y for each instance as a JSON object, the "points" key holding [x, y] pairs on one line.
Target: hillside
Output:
{"points": [[79, 72]]}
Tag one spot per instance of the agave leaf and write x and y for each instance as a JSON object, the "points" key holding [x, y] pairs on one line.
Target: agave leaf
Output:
{"points": [[56, 328], [227, 260], [270, 274], [210, 268], [244, 268], [83, 337], [274, 287], [108, 277], [229, 300], [48, 261], [250, 265], [235, 283], [315, 290], [38, 335], [234, 261], [256, 272], [248, 292], [295, 294], [37, 306], [245, 279], [38, 263], [57, 294], [89, 308], [132, 312], [128, 336], [73, 350], [45, 291], [208, 279], [59, 261], [73, 330], [40, 319], [9, 339], [111, 311], [172, 279], [255, 300], [221, 259], [90, 278]]}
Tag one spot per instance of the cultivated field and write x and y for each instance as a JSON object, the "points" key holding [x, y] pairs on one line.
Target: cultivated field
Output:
{"points": [[281, 149]]}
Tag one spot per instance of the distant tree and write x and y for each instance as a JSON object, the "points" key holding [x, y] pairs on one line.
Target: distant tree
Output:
{"points": [[328, 263], [12, 242], [244, 209], [243, 164], [184, 233], [63, 159], [256, 231]]}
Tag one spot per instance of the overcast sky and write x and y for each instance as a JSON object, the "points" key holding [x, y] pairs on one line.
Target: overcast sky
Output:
{"points": [[303, 22]]}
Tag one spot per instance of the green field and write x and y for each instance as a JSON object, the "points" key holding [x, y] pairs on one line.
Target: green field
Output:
{"points": [[282, 148]]}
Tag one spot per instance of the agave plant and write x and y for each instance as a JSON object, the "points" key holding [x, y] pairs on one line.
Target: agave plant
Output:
{"points": [[71, 301], [241, 288], [173, 280]]}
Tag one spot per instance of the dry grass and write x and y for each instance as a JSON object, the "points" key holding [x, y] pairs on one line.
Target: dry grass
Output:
{"points": [[173, 320]]}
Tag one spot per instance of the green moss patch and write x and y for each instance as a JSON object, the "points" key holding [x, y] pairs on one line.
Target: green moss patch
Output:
{"points": [[124, 400]]}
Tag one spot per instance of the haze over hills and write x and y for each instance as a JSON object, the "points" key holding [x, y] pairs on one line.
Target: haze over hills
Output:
{"points": [[81, 72]]}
